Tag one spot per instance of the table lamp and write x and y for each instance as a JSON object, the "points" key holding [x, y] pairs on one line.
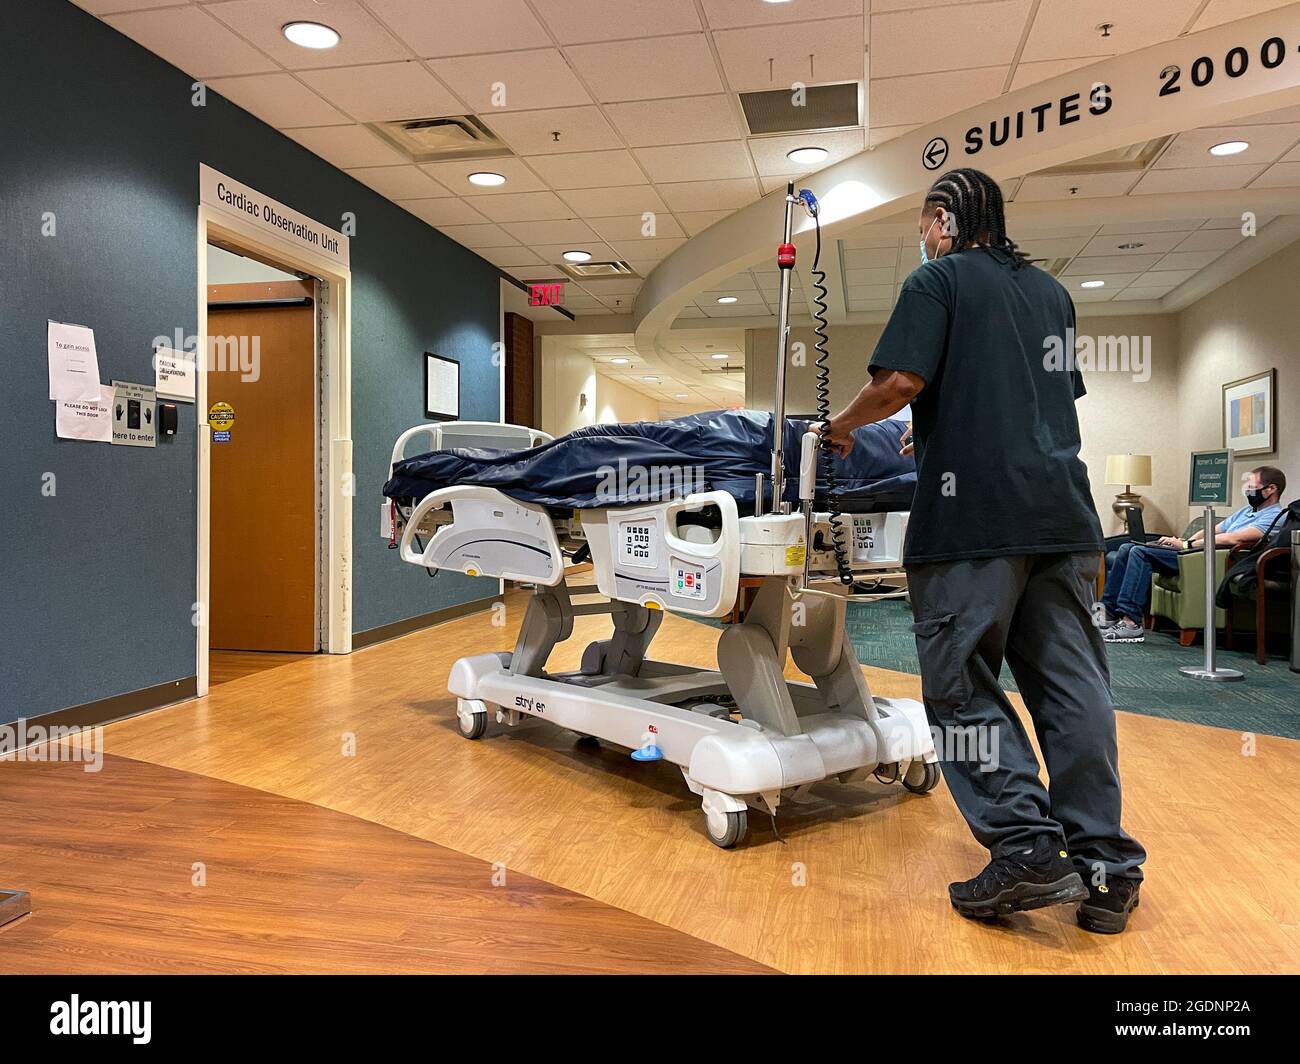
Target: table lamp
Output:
{"points": [[1128, 469]]}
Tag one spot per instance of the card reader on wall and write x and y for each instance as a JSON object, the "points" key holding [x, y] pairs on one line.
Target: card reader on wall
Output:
{"points": [[167, 419]]}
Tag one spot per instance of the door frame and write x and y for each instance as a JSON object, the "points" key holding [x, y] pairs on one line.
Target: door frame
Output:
{"points": [[334, 362]]}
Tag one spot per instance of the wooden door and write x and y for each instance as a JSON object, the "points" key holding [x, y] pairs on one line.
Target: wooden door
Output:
{"points": [[263, 522]]}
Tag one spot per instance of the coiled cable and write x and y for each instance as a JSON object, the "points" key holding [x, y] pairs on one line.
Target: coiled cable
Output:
{"points": [[825, 457]]}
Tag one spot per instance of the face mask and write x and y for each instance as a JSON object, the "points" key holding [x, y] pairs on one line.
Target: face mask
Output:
{"points": [[925, 255], [1255, 496]]}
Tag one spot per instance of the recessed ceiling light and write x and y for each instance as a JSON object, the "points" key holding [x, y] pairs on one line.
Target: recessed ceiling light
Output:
{"points": [[310, 35], [1230, 147], [651, 379], [1133, 245], [1092, 284], [577, 256], [728, 299], [620, 361], [487, 178], [682, 395], [720, 356], [807, 156]]}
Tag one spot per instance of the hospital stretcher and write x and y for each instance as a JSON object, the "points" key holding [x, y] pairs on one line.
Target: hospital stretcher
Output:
{"points": [[742, 735]]}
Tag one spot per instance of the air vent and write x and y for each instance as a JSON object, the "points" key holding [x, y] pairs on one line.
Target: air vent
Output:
{"points": [[1130, 159], [426, 140], [586, 271], [823, 107]]}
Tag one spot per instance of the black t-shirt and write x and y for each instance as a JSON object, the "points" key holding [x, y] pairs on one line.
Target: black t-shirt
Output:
{"points": [[996, 432]]}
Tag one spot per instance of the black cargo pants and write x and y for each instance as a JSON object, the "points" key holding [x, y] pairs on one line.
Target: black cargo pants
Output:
{"points": [[1036, 612]]}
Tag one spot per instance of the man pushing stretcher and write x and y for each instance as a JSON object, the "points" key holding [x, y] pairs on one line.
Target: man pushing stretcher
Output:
{"points": [[1001, 555]]}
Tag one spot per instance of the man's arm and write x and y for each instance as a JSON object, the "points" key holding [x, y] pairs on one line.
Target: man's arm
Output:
{"points": [[1245, 537], [885, 394]]}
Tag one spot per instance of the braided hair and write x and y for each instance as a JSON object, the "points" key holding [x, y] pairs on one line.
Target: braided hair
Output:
{"points": [[973, 201]]}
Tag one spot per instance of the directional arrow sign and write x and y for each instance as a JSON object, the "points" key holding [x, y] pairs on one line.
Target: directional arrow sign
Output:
{"points": [[934, 153]]}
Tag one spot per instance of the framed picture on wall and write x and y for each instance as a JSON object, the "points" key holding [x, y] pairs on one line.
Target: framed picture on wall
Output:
{"points": [[1250, 414], [441, 388]]}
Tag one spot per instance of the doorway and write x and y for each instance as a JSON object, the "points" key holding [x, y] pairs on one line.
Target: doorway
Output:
{"points": [[263, 411]]}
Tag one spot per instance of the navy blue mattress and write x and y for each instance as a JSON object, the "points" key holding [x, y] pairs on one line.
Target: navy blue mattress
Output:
{"points": [[648, 461]]}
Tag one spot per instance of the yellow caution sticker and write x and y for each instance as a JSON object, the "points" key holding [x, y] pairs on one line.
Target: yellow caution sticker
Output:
{"points": [[796, 555], [221, 415]]}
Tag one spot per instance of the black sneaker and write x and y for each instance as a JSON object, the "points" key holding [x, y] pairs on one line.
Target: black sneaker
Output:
{"points": [[1108, 905], [1028, 879]]}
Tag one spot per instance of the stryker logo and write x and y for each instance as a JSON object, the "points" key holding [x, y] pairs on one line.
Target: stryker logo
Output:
{"points": [[528, 705], [132, 1018]]}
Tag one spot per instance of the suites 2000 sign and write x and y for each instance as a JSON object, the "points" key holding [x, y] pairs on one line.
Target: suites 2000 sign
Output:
{"points": [[1235, 62]]}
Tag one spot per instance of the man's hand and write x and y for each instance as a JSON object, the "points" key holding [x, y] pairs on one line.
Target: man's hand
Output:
{"points": [[1170, 541], [839, 440], [907, 445]]}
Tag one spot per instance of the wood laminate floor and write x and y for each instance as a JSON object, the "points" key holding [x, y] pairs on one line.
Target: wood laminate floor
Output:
{"points": [[857, 881]]}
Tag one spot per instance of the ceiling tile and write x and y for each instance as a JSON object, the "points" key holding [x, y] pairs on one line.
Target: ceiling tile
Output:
{"points": [[554, 253], [478, 236], [108, 7], [512, 81], [1132, 294], [577, 21], [1177, 225], [534, 132], [1098, 265], [1038, 187], [1033, 73], [975, 35], [808, 52], [633, 227], [920, 98], [279, 100], [1187, 260], [696, 162], [698, 221], [189, 38], [1236, 221], [399, 182], [1163, 277], [1196, 179], [436, 28], [384, 92], [1217, 12], [570, 230], [876, 276], [1279, 175], [1152, 243], [608, 202], [645, 69], [347, 147], [1066, 28], [770, 152], [455, 175], [686, 120], [588, 169], [1050, 247], [1211, 240], [879, 135], [362, 38], [869, 258], [447, 210], [511, 258], [709, 195], [521, 207], [726, 14], [1192, 149], [642, 248]]}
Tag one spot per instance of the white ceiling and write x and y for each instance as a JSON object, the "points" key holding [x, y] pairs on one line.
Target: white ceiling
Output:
{"points": [[642, 95]]}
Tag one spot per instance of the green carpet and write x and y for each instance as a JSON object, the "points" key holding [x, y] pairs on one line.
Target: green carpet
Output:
{"points": [[1144, 676]]}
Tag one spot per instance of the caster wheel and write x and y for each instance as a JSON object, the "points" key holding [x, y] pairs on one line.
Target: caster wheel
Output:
{"points": [[726, 829], [587, 742], [477, 727], [924, 781]]}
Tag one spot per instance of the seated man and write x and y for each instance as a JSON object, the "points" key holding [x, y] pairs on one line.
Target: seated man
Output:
{"points": [[1128, 588]]}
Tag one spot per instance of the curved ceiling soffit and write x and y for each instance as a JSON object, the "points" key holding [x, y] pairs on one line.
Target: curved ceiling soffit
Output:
{"points": [[1220, 74]]}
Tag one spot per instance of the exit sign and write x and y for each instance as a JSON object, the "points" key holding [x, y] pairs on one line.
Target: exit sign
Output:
{"points": [[546, 294]]}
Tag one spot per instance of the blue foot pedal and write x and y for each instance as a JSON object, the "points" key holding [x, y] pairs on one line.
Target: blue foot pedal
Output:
{"points": [[648, 753]]}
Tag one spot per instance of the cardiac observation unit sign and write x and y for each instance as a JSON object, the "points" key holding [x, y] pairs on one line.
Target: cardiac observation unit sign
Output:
{"points": [[284, 223]]}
